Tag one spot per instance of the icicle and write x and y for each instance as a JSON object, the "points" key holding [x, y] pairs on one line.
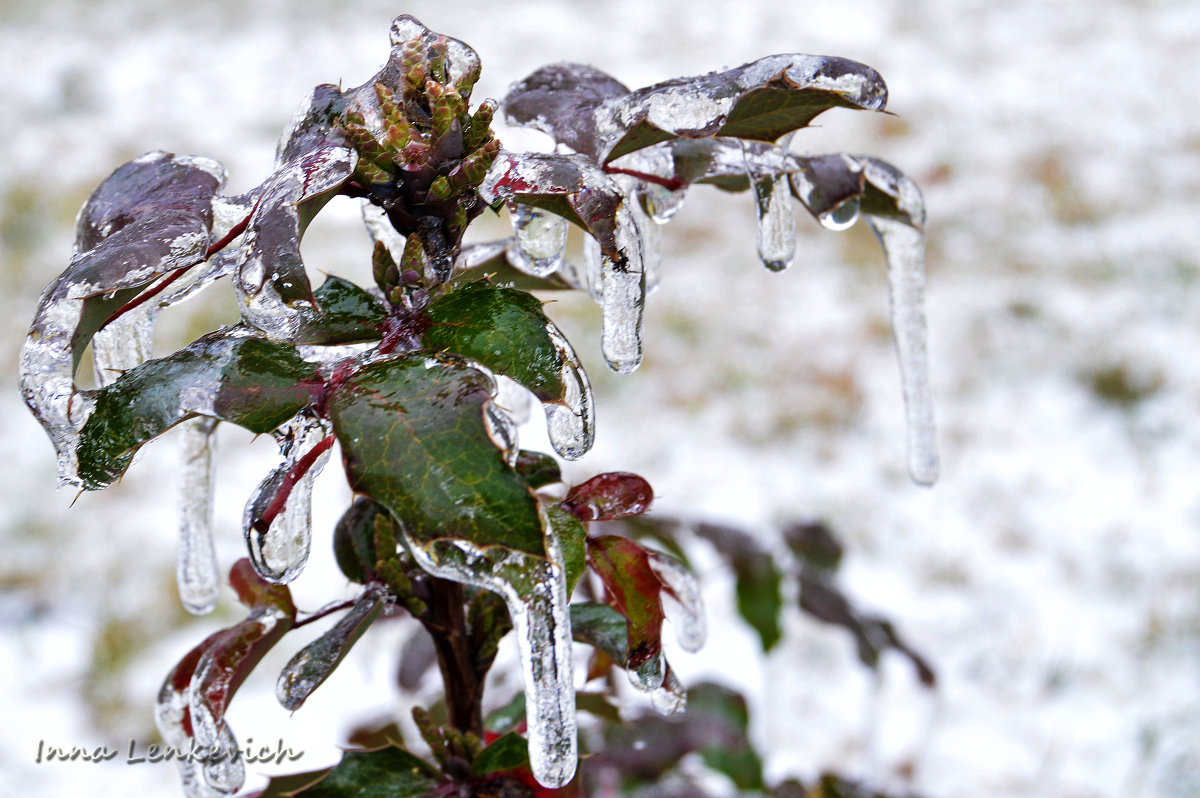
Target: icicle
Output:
{"points": [[280, 552], [661, 203], [669, 699], [593, 267], [123, 343], [169, 712], [681, 601], [571, 424], [622, 296], [904, 247], [226, 772], [535, 591], [541, 240], [776, 222], [196, 571], [647, 229], [502, 431]]}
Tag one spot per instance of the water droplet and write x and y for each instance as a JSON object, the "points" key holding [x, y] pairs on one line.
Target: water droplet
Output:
{"points": [[541, 240], [841, 217]]}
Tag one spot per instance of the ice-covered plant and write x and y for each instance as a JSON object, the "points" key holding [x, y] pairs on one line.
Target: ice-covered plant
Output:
{"points": [[453, 523]]}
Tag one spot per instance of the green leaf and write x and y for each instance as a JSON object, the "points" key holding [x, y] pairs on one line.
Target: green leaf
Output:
{"points": [[347, 314], [385, 773], [572, 539], [354, 539], [314, 663], [509, 752], [601, 626], [414, 439], [502, 328], [507, 717], [248, 381], [723, 708]]}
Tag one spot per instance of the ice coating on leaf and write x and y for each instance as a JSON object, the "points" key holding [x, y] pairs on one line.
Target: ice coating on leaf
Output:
{"points": [[271, 284], [502, 430], [381, 229], [226, 774], [540, 241], [313, 664], [280, 551], [571, 423], [648, 675], [535, 591], [461, 60], [763, 100], [196, 570], [681, 601], [170, 710], [904, 247], [670, 698], [150, 217], [123, 344]]}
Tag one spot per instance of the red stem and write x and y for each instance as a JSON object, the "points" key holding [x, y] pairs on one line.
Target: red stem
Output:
{"points": [[324, 611], [670, 183], [294, 475]]}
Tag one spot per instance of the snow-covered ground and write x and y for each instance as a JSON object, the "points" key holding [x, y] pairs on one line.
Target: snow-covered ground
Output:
{"points": [[1052, 575]]}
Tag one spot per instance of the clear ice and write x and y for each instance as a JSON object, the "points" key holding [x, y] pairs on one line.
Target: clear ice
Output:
{"points": [[196, 570], [623, 296], [169, 712], [540, 240], [841, 217], [904, 247], [776, 236], [535, 591], [670, 698], [279, 553], [681, 601], [571, 423]]}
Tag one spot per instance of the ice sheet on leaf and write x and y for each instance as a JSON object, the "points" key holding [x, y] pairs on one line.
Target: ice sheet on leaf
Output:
{"points": [[277, 520], [272, 287], [151, 217], [587, 110]]}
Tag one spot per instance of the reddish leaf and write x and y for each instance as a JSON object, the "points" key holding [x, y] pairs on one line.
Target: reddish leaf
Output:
{"points": [[634, 590], [610, 496]]}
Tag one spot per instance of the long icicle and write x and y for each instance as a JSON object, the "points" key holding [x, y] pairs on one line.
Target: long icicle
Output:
{"points": [[196, 570]]}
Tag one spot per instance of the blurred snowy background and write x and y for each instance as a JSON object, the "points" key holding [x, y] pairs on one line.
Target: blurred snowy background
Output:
{"points": [[1052, 575]]}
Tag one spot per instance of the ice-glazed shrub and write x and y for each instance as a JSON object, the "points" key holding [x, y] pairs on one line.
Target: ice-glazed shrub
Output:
{"points": [[453, 523]]}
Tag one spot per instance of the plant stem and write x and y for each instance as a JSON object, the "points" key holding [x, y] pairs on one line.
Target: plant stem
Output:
{"points": [[446, 623]]}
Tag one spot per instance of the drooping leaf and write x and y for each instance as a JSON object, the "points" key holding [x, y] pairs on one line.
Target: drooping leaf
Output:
{"points": [[634, 589], [502, 328], [758, 579], [385, 773], [344, 314], [609, 497], [314, 663], [229, 375], [507, 752], [588, 111], [414, 439]]}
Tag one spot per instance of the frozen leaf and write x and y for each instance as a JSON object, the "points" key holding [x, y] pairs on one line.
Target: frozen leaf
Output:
{"points": [[610, 496], [229, 375], [602, 627], [344, 314], [277, 521], [151, 217], [385, 773], [507, 331], [414, 439], [572, 539], [193, 698], [633, 589], [588, 110], [314, 663], [538, 469], [272, 286]]}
